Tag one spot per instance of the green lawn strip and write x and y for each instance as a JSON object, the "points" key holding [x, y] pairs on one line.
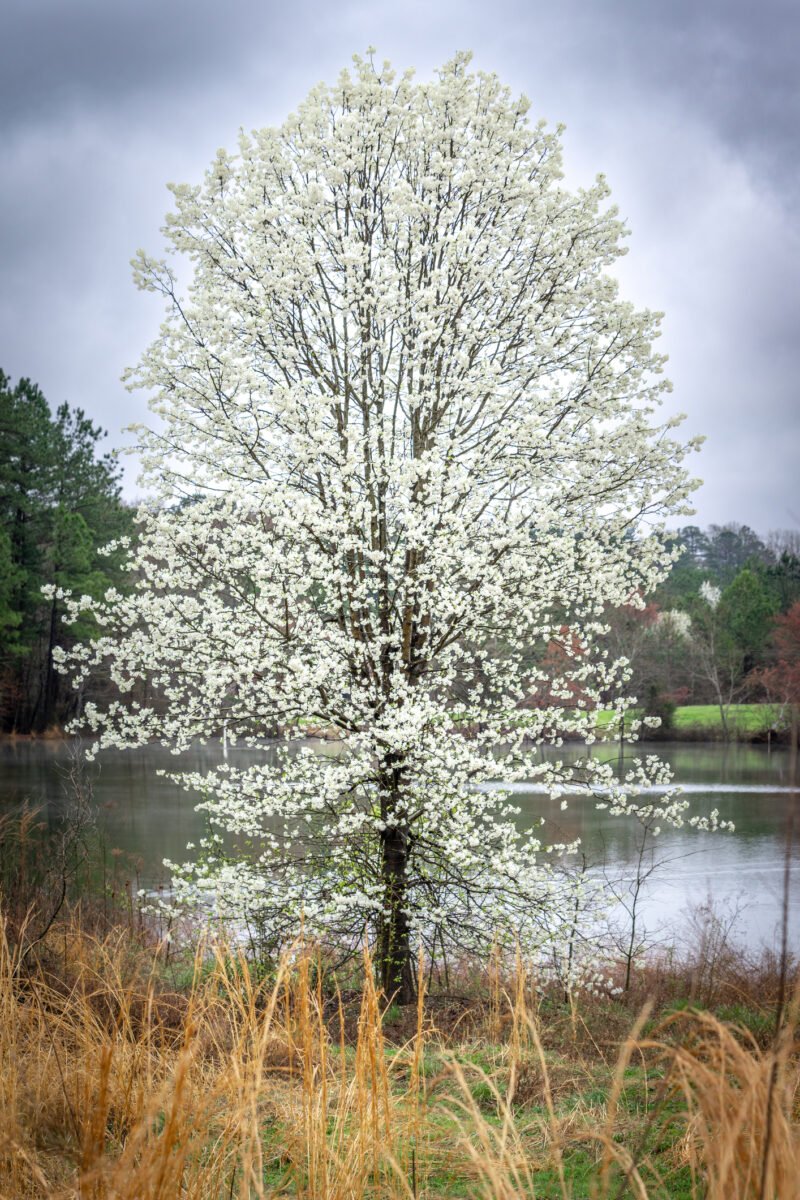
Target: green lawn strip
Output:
{"points": [[752, 717]]}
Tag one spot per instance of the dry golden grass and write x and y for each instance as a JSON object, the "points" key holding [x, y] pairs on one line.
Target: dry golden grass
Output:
{"points": [[113, 1089], [742, 1136], [109, 1092]]}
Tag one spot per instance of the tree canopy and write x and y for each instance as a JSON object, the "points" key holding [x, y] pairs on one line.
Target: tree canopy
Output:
{"points": [[415, 422]]}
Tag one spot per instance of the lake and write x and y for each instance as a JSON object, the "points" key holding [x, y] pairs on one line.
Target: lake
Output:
{"points": [[146, 818]]}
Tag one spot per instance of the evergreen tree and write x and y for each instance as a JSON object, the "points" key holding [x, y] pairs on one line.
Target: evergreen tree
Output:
{"points": [[745, 611], [59, 503], [782, 578], [732, 547]]}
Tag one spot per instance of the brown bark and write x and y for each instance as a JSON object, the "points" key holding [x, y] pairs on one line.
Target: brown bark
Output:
{"points": [[394, 942], [51, 677], [394, 936]]}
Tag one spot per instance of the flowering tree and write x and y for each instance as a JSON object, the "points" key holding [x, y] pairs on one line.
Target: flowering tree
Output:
{"points": [[411, 422]]}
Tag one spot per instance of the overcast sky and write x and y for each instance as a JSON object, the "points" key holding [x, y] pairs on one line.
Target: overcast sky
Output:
{"points": [[690, 108]]}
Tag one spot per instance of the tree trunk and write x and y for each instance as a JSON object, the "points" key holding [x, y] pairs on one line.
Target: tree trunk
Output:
{"points": [[722, 705], [51, 677], [394, 943]]}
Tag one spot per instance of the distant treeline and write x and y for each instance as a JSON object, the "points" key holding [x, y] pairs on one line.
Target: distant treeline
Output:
{"points": [[718, 625], [59, 503], [706, 636]]}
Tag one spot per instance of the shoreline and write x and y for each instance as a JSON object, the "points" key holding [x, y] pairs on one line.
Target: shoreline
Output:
{"points": [[688, 733]]}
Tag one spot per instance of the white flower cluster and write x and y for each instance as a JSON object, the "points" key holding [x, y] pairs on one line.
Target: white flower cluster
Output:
{"points": [[677, 622], [406, 431], [710, 593]]}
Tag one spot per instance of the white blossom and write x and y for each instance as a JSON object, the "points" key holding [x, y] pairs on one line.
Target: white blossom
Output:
{"points": [[710, 593], [676, 621], [406, 430]]}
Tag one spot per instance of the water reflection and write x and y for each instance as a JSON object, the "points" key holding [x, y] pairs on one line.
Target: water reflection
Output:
{"points": [[144, 815]]}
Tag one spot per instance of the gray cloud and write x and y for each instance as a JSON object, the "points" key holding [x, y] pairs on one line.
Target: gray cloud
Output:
{"points": [[690, 108], [94, 53], [731, 64]]}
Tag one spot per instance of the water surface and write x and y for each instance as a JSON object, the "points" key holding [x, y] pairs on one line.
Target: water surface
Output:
{"points": [[144, 818]]}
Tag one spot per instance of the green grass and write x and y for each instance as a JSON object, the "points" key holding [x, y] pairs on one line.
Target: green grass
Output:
{"points": [[751, 717], [705, 718]]}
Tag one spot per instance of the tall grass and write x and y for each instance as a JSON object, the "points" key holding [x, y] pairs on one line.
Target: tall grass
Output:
{"points": [[115, 1088], [742, 1136]]}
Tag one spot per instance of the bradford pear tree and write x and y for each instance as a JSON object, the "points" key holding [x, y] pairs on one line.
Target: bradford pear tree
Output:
{"points": [[412, 424]]}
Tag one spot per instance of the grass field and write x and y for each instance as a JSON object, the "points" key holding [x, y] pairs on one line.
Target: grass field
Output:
{"points": [[749, 717], [130, 1077], [745, 721], [137, 1069]]}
